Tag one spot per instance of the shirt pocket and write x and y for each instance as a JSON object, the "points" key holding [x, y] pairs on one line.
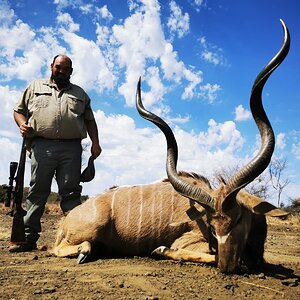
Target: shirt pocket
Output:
{"points": [[76, 105], [42, 99]]}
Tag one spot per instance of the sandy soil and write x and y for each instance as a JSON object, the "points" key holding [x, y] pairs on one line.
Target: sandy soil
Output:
{"points": [[38, 275]]}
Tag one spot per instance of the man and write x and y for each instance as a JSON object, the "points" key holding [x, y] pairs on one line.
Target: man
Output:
{"points": [[60, 117]]}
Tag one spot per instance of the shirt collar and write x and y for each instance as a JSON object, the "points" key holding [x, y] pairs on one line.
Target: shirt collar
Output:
{"points": [[49, 83]]}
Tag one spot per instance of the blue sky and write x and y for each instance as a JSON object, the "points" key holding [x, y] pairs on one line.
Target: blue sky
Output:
{"points": [[198, 60]]}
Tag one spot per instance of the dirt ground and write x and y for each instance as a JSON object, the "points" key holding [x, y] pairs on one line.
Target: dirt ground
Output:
{"points": [[38, 275]]}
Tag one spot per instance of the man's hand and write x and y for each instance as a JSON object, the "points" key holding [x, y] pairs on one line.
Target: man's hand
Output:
{"points": [[96, 150], [21, 121], [92, 130], [25, 128]]}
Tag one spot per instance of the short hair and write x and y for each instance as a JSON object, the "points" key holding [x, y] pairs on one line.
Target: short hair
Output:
{"points": [[56, 56]]}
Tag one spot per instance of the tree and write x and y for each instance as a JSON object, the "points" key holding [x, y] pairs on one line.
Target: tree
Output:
{"points": [[260, 187], [276, 169], [295, 206]]}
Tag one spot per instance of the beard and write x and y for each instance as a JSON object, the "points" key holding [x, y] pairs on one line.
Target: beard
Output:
{"points": [[60, 80]]}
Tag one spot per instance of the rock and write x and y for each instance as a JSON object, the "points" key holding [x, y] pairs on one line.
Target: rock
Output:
{"points": [[49, 290], [261, 276]]}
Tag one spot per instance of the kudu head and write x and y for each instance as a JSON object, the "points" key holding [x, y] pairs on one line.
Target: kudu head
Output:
{"points": [[229, 208]]}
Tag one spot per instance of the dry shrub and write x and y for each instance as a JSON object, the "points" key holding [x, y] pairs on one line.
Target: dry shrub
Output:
{"points": [[292, 220], [53, 208]]}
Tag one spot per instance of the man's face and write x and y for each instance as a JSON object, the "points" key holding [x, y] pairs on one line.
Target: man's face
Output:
{"points": [[61, 71]]}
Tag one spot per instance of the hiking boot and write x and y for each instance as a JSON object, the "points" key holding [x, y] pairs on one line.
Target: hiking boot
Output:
{"points": [[26, 247]]}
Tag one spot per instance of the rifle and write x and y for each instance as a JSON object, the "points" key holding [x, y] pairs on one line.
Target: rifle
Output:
{"points": [[14, 195]]}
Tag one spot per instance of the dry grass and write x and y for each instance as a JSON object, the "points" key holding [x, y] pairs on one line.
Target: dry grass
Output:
{"points": [[292, 220], [53, 208]]}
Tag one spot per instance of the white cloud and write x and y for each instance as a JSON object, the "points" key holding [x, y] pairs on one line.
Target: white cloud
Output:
{"points": [[8, 99], [6, 13], [296, 150], [132, 5], [280, 143], [242, 114], [104, 12], [194, 79], [25, 52], [62, 4], [211, 53], [17, 37], [141, 44], [29, 66], [208, 151], [91, 70], [210, 91], [157, 89], [176, 70], [103, 36], [210, 57], [67, 21], [198, 2], [87, 8], [179, 119], [139, 39], [172, 68], [140, 36], [130, 155], [178, 22], [222, 134]]}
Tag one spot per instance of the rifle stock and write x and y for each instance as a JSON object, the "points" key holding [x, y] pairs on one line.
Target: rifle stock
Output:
{"points": [[18, 229], [18, 213]]}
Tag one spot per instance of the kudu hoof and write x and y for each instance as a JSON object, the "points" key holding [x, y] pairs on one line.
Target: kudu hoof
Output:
{"points": [[83, 258], [159, 252]]}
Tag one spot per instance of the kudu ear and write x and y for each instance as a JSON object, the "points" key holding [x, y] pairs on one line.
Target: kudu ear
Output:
{"points": [[258, 205], [230, 196]]}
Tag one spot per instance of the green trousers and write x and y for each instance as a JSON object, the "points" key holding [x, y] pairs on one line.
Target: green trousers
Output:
{"points": [[52, 159]]}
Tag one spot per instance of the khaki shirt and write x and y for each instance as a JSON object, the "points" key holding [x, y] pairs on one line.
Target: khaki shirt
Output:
{"points": [[56, 114]]}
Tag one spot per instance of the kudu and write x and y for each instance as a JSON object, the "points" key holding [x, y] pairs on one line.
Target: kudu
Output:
{"points": [[226, 226]]}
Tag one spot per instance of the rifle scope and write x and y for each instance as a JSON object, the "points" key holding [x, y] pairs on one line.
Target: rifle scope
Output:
{"points": [[12, 171]]}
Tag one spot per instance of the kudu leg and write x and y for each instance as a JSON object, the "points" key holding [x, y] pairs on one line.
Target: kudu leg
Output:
{"points": [[83, 250], [184, 255]]}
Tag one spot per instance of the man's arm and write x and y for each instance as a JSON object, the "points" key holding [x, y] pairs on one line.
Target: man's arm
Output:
{"points": [[92, 130]]}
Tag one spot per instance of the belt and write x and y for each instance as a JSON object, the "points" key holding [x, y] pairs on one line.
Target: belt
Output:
{"points": [[58, 140]]}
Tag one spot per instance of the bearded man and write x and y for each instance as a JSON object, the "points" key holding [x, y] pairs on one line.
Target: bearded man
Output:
{"points": [[60, 116]]}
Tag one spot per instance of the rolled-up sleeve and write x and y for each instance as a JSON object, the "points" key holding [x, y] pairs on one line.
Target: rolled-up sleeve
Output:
{"points": [[22, 104], [88, 114]]}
